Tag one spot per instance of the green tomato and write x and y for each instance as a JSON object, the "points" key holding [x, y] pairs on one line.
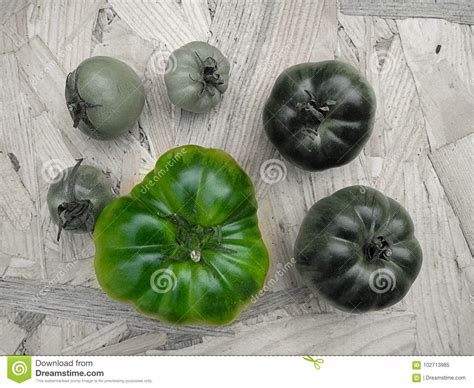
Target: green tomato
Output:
{"points": [[184, 246], [357, 249], [105, 97], [77, 197], [320, 115], [196, 76]]}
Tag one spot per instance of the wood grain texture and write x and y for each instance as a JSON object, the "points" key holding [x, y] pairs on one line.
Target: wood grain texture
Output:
{"points": [[331, 334], [102, 337], [93, 306], [443, 77], [458, 11], [132, 346], [453, 164], [418, 56], [440, 297]]}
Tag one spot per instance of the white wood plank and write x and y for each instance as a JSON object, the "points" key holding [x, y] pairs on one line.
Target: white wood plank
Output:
{"points": [[11, 336], [105, 336], [443, 77], [440, 296], [116, 39], [15, 200], [459, 11], [453, 164], [329, 334], [65, 27], [15, 139], [84, 304], [132, 346], [158, 21]]}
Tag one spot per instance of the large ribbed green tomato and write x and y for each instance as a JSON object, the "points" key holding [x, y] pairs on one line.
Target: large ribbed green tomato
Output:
{"points": [[357, 249], [184, 246]]}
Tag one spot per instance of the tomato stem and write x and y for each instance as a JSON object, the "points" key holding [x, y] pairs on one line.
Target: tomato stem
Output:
{"points": [[312, 111], [210, 78], [378, 248], [76, 105], [74, 213], [194, 238]]}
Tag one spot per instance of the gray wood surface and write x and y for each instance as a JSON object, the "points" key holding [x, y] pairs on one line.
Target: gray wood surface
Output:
{"points": [[457, 11], [417, 55]]}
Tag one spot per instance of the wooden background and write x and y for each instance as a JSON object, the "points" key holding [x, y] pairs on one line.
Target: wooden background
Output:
{"points": [[419, 59]]}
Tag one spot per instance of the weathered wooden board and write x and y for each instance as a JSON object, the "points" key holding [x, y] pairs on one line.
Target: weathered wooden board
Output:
{"points": [[332, 334], [453, 164], [458, 11], [419, 58]]}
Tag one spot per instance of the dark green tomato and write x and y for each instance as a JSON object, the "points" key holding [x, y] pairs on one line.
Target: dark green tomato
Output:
{"points": [[320, 115], [77, 197], [357, 249], [105, 97], [196, 76], [184, 246]]}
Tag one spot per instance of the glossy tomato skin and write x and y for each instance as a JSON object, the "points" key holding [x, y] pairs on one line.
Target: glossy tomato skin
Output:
{"points": [[320, 115], [357, 249], [184, 246], [105, 97], [196, 77], [91, 185]]}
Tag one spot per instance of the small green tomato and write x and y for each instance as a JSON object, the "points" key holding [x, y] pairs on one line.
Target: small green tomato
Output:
{"points": [[104, 97], [77, 198], [196, 76]]}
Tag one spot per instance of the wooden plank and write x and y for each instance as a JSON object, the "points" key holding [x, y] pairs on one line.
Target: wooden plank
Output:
{"points": [[158, 20], [453, 164], [157, 121], [102, 337], [440, 297], [14, 30], [327, 334], [84, 304], [132, 346], [9, 8], [443, 76], [74, 302], [28, 321], [457, 11], [15, 200], [116, 39], [11, 336], [15, 139], [65, 27]]}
